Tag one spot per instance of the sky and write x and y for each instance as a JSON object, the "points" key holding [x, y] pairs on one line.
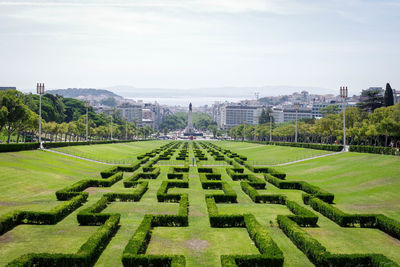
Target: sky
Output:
{"points": [[193, 44]]}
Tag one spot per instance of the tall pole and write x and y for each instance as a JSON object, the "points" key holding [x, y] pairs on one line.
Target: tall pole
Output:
{"points": [[126, 129], [344, 94], [244, 129], [296, 106], [87, 120], [270, 126], [40, 91], [111, 137]]}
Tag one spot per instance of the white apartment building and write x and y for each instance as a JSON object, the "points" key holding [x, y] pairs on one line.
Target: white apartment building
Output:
{"points": [[317, 106], [286, 114], [231, 115], [131, 112]]}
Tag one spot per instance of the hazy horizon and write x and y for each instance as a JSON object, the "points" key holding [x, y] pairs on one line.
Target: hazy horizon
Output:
{"points": [[190, 45]]}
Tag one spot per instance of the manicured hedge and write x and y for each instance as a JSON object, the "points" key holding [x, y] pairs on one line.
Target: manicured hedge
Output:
{"points": [[375, 150], [10, 220], [388, 225], [77, 188], [264, 198], [18, 147], [335, 148], [114, 169], [86, 255], [301, 185], [318, 253], [341, 218]]}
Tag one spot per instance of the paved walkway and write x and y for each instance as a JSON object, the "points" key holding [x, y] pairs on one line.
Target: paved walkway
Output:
{"points": [[301, 160], [69, 155]]}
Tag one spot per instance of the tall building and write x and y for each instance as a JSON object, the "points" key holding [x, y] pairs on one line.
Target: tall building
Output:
{"points": [[131, 112], [396, 96], [229, 115], [288, 113]]}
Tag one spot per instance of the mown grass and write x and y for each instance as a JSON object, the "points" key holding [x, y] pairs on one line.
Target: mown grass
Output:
{"points": [[112, 153], [270, 155], [354, 178], [362, 183]]}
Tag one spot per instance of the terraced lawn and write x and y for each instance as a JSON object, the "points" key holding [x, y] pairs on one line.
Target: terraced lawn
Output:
{"points": [[362, 183], [270, 155], [120, 153]]}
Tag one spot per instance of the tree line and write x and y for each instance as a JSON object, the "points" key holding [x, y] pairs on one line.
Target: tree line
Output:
{"points": [[63, 119], [375, 121]]}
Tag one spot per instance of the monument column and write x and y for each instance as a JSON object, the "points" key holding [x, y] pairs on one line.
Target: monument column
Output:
{"points": [[190, 122]]}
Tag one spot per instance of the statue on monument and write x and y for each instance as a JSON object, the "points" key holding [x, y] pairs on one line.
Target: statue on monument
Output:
{"points": [[189, 130]]}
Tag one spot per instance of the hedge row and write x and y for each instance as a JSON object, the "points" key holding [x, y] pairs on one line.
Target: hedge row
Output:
{"points": [[271, 255], [35, 145], [162, 193], [133, 254], [112, 170], [335, 148], [258, 198], [86, 255], [341, 218], [229, 195], [381, 222], [301, 185], [375, 150], [303, 217], [77, 188], [318, 254], [92, 215], [10, 220], [269, 170], [18, 147], [152, 173]]}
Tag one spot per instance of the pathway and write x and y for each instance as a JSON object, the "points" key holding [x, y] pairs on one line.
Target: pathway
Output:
{"points": [[77, 157], [301, 160]]}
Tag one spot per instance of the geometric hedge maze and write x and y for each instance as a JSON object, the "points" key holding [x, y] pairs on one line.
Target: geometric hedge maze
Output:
{"points": [[251, 178]]}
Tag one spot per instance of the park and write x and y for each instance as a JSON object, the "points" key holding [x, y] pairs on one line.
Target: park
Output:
{"points": [[198, 203]]}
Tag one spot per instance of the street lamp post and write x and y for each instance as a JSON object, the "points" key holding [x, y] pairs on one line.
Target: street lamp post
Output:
{"points": [[111, 128], [270, 126], [344, 94], [40, 91], [296, 106], [126, 129], [87, 120], [244, 129]]}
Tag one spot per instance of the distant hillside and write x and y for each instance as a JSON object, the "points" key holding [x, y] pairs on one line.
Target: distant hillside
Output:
{"points": [[82, 92]]}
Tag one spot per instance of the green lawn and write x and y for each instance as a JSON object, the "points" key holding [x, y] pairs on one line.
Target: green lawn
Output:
{"points": [[112, 153], [270, 155], [363, 183]]}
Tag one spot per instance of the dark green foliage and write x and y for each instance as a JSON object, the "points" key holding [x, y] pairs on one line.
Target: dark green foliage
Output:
{"points": [[318, 253], [303, 145], [304, 217], [371, 100], [375, 150], [76, 189], [86, 256], [388, 225], [264, 198], [18, 147], [300, 185], [388, 96]]}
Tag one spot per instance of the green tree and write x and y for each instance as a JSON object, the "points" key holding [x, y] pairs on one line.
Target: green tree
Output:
{"points": [[264, 117], [331, 109], [371, 100], [388, 97], [14, 111]]}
